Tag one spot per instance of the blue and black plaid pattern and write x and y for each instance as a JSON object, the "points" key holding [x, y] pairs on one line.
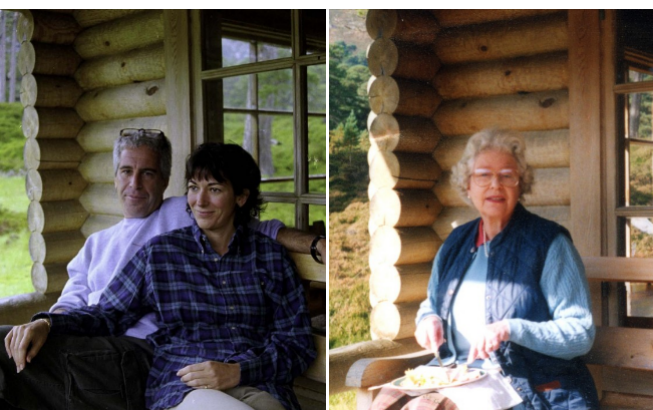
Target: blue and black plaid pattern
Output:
{"points": [[246, 307]]}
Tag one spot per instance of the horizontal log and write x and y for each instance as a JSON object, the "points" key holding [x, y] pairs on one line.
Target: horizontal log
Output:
{"points": [[399, 284], [617, 269], [544, 149], [54, 28], [378, 370], [50, 122], [403, 97], [117, 36], [96, 223], [401, 133], [371, 153], [49, 279], [99, 136], [101, 199], [451, 218], [25, 27], [451, 18], [58, 185], [393, 321], [403, 246], [520, 75], [532, 112], [411, 26], [622, 347], [18, 309], [55, 247], [49, 91], [371, 190], [342, 358], [45, 154], [47, 59], [93, 17], [402, 60], [502, 40], [33, 185], [97, 167], [550, 187], [403, 208], [46, 217], [404, 171], [143, 64], [128, 101], [627, 381]]}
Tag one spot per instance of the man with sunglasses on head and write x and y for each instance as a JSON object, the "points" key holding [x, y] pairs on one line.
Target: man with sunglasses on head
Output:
{"points": [[110, 373]]}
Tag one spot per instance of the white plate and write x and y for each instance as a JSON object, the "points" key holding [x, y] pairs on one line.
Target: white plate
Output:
{"points": [[396, 384]]}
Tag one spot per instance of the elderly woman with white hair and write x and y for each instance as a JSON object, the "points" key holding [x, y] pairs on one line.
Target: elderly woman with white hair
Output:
{"points": [[507, 290]]}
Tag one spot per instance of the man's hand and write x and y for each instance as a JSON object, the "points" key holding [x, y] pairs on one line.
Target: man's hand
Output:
{"points": [[429, 333], [25, 341], [211, 375], [490, 341]]}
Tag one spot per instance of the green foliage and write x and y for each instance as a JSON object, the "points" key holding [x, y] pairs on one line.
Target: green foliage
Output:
{"points": [[348, 75], [15, 264], [12, 139]]}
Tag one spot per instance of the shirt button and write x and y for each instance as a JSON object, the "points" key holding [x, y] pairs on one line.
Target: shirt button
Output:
{"points": [[451, 291], [488, 297], [224, 282], [231, 308], [233, 327], [215, 259]]}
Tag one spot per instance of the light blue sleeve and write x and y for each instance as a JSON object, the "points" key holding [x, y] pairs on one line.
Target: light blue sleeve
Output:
{"points": [[571, 331], [269, 228], [427, 307]]}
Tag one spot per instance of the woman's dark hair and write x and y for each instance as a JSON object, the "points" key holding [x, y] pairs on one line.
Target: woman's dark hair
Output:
{"points": [[229, 163]]}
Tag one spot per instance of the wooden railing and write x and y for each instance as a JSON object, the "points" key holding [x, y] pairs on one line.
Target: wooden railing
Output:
{"points": [[621, 358]]}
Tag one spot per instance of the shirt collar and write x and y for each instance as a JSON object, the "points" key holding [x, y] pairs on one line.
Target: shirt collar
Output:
{"points": [[235, 243]]}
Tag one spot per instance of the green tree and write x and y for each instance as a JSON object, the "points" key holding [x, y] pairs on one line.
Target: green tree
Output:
{"points": [[348, 75], [350, 134]]}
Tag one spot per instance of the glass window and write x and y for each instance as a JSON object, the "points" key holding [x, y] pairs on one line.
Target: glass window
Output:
{"points": [[264, 87], [634, 98]]}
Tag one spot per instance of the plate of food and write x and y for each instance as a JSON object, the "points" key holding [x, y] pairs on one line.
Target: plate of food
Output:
{"points": [[424, 379]]}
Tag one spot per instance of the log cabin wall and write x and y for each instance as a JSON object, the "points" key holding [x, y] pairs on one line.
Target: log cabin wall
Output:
{"points": [[86, 75], [438, 77]]}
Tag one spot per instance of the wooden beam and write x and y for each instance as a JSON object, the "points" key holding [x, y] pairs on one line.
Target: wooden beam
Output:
{"points": [[585, 130], [618, 269], [622, 347]]}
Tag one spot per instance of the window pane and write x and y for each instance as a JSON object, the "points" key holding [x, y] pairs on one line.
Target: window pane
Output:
{"points": [[317, 154], [640, 295], [238, 129], [239, 92], [639, 116], [276, 152], [636, 76], [316, 213], [246, 36], [281, 211], [640, 178], [314, 26], [275, 90], [316, 75]]}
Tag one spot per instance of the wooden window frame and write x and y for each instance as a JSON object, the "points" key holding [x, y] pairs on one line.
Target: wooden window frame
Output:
{"points": [[298, 63]]}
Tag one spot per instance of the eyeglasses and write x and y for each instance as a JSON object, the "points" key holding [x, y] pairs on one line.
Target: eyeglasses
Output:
{"points": [[506, 177], [141, 132]]}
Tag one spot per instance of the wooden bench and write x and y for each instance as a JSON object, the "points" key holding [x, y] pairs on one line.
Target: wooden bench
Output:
{"points": [[310, 388], [621, 359]]}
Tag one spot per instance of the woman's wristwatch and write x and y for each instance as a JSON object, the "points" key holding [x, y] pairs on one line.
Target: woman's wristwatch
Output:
{"points": [[314, 252]]}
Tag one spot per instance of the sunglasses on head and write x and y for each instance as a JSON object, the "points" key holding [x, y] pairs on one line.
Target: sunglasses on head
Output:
{"points": [[141, 132]]}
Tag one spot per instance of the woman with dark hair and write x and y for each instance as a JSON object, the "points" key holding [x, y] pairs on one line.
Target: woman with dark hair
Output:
{"points": [[234, 329]]}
